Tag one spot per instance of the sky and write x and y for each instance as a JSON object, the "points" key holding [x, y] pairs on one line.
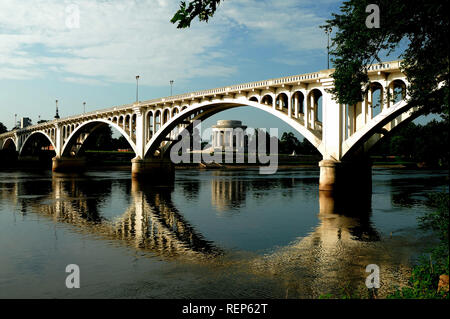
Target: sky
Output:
{"points": [[91, 51]]}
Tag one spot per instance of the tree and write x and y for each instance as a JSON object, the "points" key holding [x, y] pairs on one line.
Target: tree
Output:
{"points": [[203, 9], [3, 128], [289, 143], [420, 143], [423, 24], [100, 139]]}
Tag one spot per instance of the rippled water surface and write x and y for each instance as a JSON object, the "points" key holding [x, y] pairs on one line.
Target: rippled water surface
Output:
{"points": [[211, 234]]}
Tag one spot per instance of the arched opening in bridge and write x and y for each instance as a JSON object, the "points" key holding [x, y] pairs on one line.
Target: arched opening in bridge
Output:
{"points": [[150, 125], [282, 102], [38, 149], [254, 99], [267, 100], [297, 103], [376, 91], [133, 126], [8, 154], [210, 114], [166, 116], [157, 120], [398, 89], [315, 105], [416, 142], [100, 143]]}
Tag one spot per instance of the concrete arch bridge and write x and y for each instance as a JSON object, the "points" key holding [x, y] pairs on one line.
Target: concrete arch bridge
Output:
{"points": [[341, 133]]}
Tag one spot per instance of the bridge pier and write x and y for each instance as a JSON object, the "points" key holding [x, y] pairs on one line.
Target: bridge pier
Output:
{"points": [[67, 164], [157, 169], [354, 176]]}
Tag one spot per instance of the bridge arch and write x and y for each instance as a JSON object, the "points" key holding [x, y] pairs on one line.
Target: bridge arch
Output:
{"points": [[31, 137], [207, 109], [384, 124], [89, 127], [8, 142]]}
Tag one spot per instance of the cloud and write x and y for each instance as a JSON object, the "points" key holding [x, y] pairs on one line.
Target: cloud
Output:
{"points": [[117, 39], [291, 24]]}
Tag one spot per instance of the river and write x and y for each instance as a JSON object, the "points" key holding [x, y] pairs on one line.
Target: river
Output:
{"points": [[210, 234]]}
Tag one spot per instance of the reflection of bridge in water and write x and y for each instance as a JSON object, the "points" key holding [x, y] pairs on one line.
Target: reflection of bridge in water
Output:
{"points": [[339, 248], [151, 222]]}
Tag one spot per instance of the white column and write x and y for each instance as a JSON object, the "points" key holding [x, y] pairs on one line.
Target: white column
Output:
{"points": [[140, 133], [59, 141], [296, 106], [364, 111], [289, 105], [351, 119], [332, 128], [306, 110]]}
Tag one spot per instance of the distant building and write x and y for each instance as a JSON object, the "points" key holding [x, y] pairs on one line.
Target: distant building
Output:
{"points": [[24, 122], [229, 136]]}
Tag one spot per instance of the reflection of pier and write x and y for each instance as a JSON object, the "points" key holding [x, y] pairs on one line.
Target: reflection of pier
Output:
{"points": [[227, 192], [151, 222], [335, 254]]}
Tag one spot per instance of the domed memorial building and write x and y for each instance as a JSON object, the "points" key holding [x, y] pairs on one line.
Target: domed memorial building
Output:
{"points": [[229, 136]]}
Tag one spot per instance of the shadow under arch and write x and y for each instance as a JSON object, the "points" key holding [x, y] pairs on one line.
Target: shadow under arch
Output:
{"points": [[8, 152], [37, 151], [9, 143], [34, 140]]}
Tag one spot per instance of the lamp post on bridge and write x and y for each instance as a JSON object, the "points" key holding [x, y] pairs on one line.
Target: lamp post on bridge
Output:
{"points": [[15, 121], [137, 88], [57, 112], [328, 31], [171, 87], [84, 107]]}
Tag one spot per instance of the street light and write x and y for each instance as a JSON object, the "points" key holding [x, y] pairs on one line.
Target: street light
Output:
{"points": [[84, 107], [15, 120], [328, 31], [137, 88], [171, 87], [57, 112]]}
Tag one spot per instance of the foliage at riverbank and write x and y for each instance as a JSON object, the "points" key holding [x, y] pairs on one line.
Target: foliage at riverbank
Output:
{"points": [[425, 144], [424, 280]]}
